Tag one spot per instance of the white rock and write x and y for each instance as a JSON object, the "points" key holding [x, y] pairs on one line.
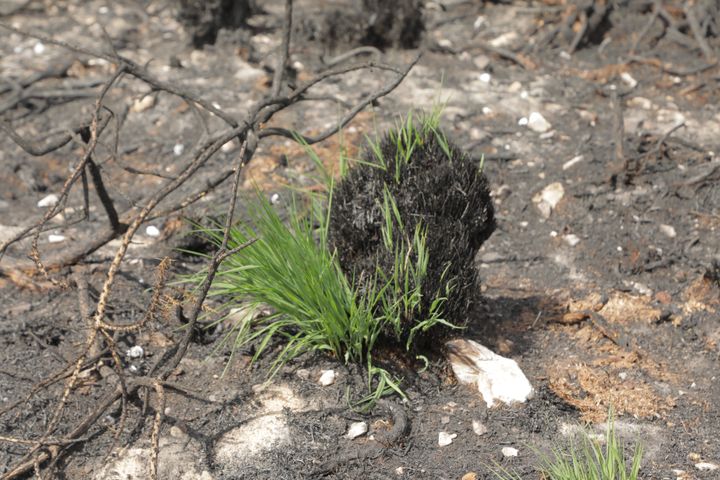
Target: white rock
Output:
{"points": [[479, 428], [497, 378], [445, 439], [327, 377], [572, 162], [356, 429], [39, 48], [48, 201], [537, 123], [668, 230], [135, 352], [547, 199], [622, 375], [523, 121], [706, 466], [642, 289], [485, 77], [628, 79], [509, 452], [571, 239], [178, 149], [152, 231], [274, 198], [143, 104], [54, 238]]}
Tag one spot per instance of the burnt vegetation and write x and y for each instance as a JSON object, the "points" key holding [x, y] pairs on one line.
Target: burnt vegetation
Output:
{"points": [[439, 189]]}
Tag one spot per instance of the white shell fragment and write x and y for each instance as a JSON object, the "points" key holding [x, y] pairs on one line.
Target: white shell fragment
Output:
{"points": [[537, 123], [356, 429], [49, 201], [327, 377], [496, 377], [178, 149], [152, 231], [445, 439], [509, 452], [706, 466]]}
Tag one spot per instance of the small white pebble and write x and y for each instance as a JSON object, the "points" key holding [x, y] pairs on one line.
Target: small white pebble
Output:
{"points": [[619, 248], [706, 466], [445, 439], [524, 224], [274, 198], [216, 105], [571, 239], [668, 230], [48, 201], [152, 231], [509, 452], [524, 94], [133, 369], [356, 429], [178, 149], [523, 121], [553, 234], [135, 352], [479, 428], [487, 110], [327, 377], [485, 77], [628, 79], [52, 238], [622, 375], [39, 48]]}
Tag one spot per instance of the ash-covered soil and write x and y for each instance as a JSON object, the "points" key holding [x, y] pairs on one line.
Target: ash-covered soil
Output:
{"points": [[599, 130]]}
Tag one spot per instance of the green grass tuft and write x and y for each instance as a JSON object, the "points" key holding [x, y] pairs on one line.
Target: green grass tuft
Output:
{"points": [[291, 269], [587, 461]]}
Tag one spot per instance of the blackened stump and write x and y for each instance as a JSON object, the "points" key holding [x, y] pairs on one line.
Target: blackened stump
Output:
{"points": [[203, 19], [449, 195]]}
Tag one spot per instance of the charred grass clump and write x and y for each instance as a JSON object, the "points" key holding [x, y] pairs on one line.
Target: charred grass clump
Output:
{"points": [[415, 182], [383, 258]]}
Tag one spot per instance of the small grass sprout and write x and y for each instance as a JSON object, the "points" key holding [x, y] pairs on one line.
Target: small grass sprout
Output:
{"points": [[589, 460]]}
